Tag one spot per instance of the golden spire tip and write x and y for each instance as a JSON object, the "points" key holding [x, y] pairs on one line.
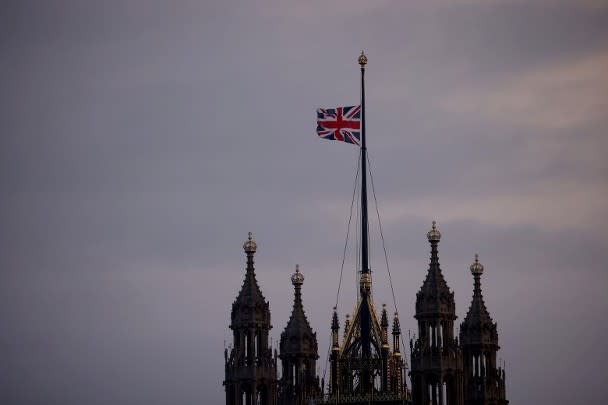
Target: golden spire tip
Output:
{"points": [[362, 59]]}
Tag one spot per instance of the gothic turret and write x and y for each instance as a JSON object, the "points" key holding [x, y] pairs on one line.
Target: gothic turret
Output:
{"points": [[299, 353], [436, 358], [250, 369], [435, 296], [484, 382]]}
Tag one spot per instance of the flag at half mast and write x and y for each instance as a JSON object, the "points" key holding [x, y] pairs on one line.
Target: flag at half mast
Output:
{"points": [[340, 124]]}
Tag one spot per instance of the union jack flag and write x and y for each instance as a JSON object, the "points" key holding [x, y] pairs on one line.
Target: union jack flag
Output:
{"points": [[340, 124]]}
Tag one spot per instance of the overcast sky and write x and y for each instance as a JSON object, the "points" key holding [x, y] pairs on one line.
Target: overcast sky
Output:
{"points": [[142, 140]]}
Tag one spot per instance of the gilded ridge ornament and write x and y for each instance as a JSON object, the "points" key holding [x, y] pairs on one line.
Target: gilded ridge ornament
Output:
{"points": [[362, 59], [476, 267], [297, 279], [250, 246], [434, 235]]}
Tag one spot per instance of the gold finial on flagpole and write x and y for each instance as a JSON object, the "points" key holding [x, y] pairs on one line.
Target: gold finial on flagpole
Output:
{"points": [[362, 59]]}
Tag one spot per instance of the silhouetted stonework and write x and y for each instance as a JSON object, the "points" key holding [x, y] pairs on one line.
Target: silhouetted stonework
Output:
{"points": [[444, 370], [437, 372], [250, 369], [484, 382], [298, 354]]}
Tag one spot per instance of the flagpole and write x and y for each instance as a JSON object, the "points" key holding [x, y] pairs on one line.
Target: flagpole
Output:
{"points": [[365, 283]]}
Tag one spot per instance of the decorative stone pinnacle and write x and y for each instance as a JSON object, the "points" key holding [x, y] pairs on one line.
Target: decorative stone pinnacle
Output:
{"points": [[335, 325], [476, 267], [250, 246], [362, 59], [384, 318], [396, 325], [297, 279], [434, 235]]}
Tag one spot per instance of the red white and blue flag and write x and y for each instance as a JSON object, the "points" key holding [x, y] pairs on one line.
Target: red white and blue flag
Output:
{"points": [[340, 124]]}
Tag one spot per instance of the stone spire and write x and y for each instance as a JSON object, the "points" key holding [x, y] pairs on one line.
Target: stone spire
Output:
{"points": [[436, 357], [250, 370], [484, 380], [250, 305], [478, 316], [298, 336], [299, 353], [434, 295]]}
